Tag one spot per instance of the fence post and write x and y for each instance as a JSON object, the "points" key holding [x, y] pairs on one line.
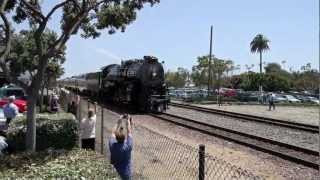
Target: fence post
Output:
{"points": [[101, 131], [201, 161], [79, 119]]}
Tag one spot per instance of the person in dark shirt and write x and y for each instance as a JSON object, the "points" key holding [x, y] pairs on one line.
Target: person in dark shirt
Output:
{"points": [[271, 101], [120, 146], [72, 108], [55, 103]]}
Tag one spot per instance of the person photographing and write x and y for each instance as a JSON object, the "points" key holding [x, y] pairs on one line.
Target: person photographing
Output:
{"points": [[120, 146]]}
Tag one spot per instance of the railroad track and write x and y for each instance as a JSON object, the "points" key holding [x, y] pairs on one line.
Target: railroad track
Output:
{"points": [[300, 155], [287, 124]]}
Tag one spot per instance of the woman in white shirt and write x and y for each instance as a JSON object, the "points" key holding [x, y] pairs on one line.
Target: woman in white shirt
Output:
{"points": [[88, 131]]}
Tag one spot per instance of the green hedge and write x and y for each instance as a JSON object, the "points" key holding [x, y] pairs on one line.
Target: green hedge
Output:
{"points": [[52, 132], [75, 164]]}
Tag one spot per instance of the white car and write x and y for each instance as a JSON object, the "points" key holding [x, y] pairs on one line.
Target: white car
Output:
{"points": [[292, 99], [279, 98], [313, 100]]}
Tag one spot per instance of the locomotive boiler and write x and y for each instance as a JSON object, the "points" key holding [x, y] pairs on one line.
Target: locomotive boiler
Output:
{"points": [[138, 82]]}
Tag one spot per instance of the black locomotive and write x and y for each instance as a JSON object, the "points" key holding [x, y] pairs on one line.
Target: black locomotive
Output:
{"points": [[138, 82]]}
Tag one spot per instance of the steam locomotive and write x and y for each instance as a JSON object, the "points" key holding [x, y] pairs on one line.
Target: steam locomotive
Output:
{"points": [[137, 82]]}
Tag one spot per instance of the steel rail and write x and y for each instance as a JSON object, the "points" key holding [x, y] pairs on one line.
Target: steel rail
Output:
{"points": [[266, 120], [300, 155]]}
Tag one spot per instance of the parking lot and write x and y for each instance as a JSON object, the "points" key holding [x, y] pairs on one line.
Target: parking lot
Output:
{"points": [[238, 95]]}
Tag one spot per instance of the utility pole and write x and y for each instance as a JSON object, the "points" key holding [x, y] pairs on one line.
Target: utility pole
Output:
{"points": [[210, 57]]}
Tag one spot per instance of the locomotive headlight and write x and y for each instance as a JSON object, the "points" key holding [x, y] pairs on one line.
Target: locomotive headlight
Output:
{"points": [[154, 74]]}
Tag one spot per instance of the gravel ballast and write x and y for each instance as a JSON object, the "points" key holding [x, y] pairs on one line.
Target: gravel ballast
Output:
{"points": [[286, 135]]}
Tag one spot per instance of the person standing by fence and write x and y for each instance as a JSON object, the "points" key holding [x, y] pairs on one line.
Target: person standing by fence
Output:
{"points": [[88, 131], [10, 110], [120, 146], [271, 101], [55, 103]]}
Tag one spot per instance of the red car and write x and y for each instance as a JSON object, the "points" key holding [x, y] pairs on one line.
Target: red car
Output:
{"points": [[18, 93], [22, 104], [226, 92]]}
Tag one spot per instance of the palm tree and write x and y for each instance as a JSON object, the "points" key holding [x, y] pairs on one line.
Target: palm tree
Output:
{"points": [[259, 44]]}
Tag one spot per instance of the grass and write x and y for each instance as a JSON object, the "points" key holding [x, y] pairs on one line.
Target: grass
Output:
{"points": [[53, 164]]}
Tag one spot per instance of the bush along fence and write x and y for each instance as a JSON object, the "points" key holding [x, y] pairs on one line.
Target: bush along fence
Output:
{"points": [[156, 156]]}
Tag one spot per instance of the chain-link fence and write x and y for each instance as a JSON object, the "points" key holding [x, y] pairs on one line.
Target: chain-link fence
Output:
{"points": [[159, 157], [156, 156]]}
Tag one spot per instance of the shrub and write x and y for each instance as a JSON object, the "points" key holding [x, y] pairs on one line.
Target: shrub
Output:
{"points": [[51, 133], [51, 164]]}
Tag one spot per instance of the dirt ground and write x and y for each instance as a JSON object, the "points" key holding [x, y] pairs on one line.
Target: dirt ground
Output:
{"points": [[307, 115]]}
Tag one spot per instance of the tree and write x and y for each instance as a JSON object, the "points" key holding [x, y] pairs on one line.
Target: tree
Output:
{"points": [[307, 79], [259, 44], [177, 78], [250, 81], [276, 82], [88, 16], [219, 67], [5, 34], [200, 71], [273, 68], [23, 59]]}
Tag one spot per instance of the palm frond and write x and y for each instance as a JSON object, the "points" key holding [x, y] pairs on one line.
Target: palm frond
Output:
{"points": [[259, 44]]}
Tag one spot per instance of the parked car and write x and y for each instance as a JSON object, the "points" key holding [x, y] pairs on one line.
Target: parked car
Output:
{"points": [[188, 95], [19, 94], [12, 91], [227, 92], [292, 99], [172, 93], [302, 98], [313, 100], [203, 93], [279, 98], [21, 104]]}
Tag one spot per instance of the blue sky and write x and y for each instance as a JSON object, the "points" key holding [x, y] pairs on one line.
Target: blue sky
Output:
{"points": [[177, 31]]}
